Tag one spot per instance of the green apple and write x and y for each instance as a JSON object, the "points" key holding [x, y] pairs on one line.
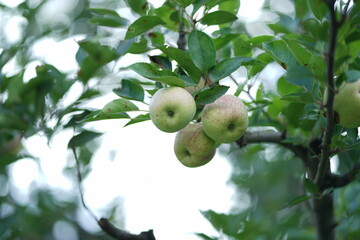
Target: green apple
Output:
{"points": [[192, 147], [347, 104], [226, 119], [172, 108]]}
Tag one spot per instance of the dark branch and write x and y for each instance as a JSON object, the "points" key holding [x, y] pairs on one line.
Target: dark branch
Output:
{"points": [[274, 137], [325, 153], [338, 181], [123, 235]]}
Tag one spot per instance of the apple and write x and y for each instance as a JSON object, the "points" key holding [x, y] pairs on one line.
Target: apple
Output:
{"points": [[172, 108], [226, 119], [347, 104], [192, 147]]}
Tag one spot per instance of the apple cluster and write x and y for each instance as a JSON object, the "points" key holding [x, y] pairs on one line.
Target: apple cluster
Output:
{"points": [[224, 121]]}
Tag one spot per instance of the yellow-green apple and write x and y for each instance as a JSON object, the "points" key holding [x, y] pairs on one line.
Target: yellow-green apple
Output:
{"points": [[347, 104], [172, 108], [226, 119], [192, 147]]}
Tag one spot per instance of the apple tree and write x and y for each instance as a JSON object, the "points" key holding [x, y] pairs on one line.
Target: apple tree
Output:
{"points": [[292, 137]]}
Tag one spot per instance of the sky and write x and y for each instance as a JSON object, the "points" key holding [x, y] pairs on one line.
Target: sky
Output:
{"points": [[135, 167]]}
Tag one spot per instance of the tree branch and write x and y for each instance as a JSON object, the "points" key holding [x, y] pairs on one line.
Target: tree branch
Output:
{"points": [[323, 167], [182, 35], [337, 181], [123, 235]]}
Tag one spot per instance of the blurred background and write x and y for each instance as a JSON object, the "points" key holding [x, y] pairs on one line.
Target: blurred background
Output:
{"points": [[131, 174]]}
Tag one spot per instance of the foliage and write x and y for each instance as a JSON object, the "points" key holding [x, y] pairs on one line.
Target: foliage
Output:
{"points": [[218, 46]]}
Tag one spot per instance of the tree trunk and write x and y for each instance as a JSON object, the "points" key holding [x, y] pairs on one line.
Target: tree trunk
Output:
{"points": [[324, 216]]}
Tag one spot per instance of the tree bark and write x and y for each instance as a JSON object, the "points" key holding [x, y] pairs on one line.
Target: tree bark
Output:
{"points": [[324, 216]]}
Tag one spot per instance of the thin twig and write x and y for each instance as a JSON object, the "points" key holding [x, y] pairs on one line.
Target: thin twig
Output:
{"points": [[80, 180], [104, 223]]}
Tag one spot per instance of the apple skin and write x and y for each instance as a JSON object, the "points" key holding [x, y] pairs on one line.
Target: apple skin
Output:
{"points": [[226, 119], [192, 147], [171, 109], [347, 104]]}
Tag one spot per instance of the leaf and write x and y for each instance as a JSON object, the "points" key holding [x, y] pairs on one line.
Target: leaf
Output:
{"points": [[141, 25], [230, 6], [137, 119], [209, 95], [205, 237], [82, 138], [230, 224], [161, 61], [184, 3], [138, 6], [184, 60], [298, 97], [151, 72], [352, 75], [279, 51], [130, 90], [310, 186], [226, 67], [218, 17], [241, 47], [318, 8], [113, 110], [139, 47], [300, 76], [107, 17], [297, 201], [202, 50]]}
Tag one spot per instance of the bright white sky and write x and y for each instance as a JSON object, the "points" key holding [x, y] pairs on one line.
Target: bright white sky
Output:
{"points": [[144, 177]]}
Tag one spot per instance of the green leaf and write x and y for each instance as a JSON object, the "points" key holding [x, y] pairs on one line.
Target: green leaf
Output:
{"points": [[241, 47], [138, 6], [209, 95], [107, 17], [91, 57], [151, 72], [141, 25], [113, 110], [218, 17], [279, 51], [137, 119], [139, 47], [297, 201], [310, 186], [232, 6], [300, 76], [130, 90], [352, 75], [184, 61], [82, 138], [205, 237], [161, 61], [226, 67], [318, 8], [202, 50], [260, 39], [298, 97], [229, 224], [184, 3]]}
